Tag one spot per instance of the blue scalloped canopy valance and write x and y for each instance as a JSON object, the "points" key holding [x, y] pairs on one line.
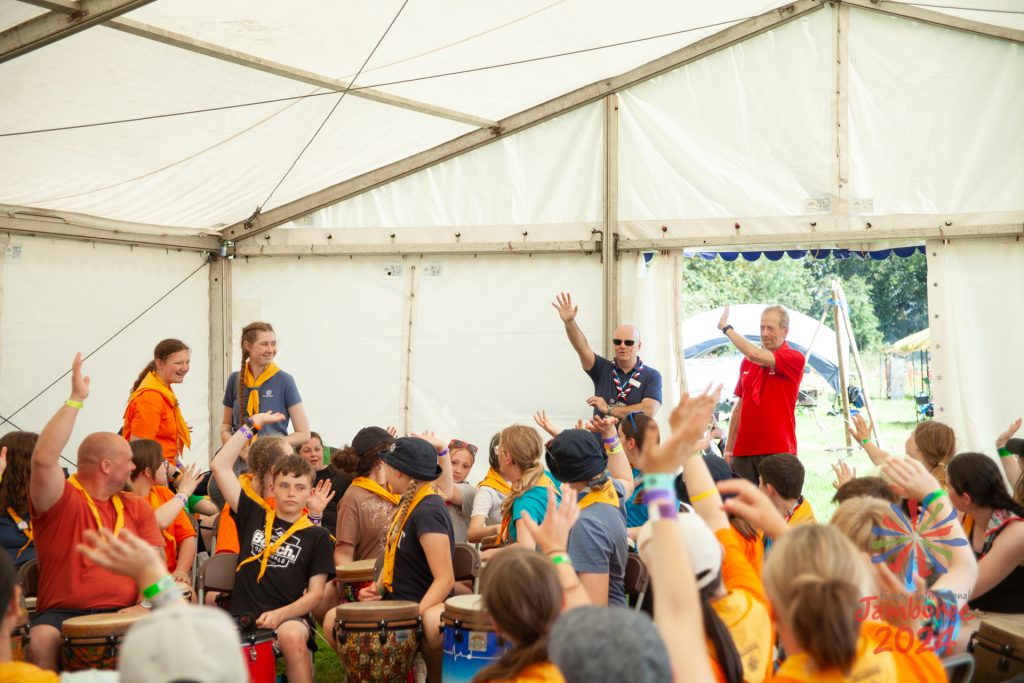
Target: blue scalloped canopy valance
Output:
{"points": [[879, 255]]}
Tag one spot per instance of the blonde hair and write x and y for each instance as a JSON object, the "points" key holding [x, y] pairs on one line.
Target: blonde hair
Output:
{"points": [[402, 509], [858, 518], [814, 578], [937, 444], [524, 446]]}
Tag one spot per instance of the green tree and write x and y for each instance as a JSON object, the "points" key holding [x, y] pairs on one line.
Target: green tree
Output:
{"points": [[714, 283]]}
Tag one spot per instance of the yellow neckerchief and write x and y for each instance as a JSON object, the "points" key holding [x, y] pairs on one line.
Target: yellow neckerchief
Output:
{"points": [[26, 531], [245, 481], [252, 407], [387, 573], [505, 535], [270, 548], [370, 485], [155, 502], [606, 494], [495, 481], [115, 499], [154, 383]]}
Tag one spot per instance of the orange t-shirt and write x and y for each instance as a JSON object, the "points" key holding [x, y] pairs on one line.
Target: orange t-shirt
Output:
{"points": [[149, 416], [227, 532], [67, 580], [540, 672], [744, 610], [23, 672], [802, 515], [877, 661], [180, 529]]}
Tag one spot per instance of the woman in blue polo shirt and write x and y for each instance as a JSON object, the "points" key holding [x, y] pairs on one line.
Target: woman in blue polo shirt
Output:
{"points": [[264, 387]]}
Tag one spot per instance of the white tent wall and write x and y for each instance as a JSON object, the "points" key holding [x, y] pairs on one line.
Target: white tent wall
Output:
{"points": [[61, 297], [468, 344], [976, 316]]}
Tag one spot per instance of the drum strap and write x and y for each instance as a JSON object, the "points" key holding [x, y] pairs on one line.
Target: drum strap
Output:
{"points": [[115, 499], [270, 548], [24, 527]]}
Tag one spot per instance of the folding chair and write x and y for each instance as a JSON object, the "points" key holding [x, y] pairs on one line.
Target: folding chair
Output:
{"points": [[959, 668], [637, 579], [466, 564], [28, 579], [218, 574]]}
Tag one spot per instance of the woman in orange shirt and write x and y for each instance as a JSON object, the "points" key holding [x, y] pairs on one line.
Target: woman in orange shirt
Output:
{"points": [[149, 480], [153, 410]]}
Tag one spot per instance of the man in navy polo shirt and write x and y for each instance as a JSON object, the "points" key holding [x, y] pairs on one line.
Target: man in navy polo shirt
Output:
{"points": [[623, 385], [763, 420]]}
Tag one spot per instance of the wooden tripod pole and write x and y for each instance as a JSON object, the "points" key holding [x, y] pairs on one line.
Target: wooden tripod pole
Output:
{"points": [[839, 327], [856, 357]]}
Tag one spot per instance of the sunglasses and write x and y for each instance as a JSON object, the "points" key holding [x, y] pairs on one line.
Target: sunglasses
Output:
{"points": [[456, 444], [620, 342]]}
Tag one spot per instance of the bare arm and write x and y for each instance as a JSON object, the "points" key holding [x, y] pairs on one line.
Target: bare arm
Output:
{"points": [[1007, 554], [861, 431], [567, 312], [734, 428], [1010, 463], [478, 529], [300, 423], [300, 608], [648, 405], [553, 538], [47, 481], [618, 464], [437, 548], [596, 586], [704, 497], [225, 459], [344, 553], [225, 426], [186, 555], [753, 352], [168, 512]]}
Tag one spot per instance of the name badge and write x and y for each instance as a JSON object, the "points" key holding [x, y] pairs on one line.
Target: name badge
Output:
{"points": [[634, 382]]}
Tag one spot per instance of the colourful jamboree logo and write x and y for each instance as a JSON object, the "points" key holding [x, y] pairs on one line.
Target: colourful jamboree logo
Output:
{"points": [[915, 546]]}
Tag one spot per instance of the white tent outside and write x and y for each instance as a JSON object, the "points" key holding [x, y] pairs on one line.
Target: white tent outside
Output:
{"points": [[744, 124]]}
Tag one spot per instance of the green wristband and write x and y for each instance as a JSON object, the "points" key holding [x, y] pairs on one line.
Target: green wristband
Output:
{"points": [[560, 558], [1004, 452], [72, 403], [158, 587], [660, 480], [932, 497], [864, 442]]}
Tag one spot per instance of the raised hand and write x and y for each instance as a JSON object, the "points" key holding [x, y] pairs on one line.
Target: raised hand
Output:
{"points": [[843, 472], [263, 419], [79, 383], [724, 320], [319, 498], [1008, 434], [189, 479], [541, 418], [605, 426], [392, 431], [563, 304], [433, 439], [599, 403], [753, 505], [693, 414], [911, 476], [125, 554], [861, 429], [553, 533]]}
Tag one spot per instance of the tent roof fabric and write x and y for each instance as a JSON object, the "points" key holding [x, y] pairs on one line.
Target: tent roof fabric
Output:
{"points": [[918, 341], [214, 137]]}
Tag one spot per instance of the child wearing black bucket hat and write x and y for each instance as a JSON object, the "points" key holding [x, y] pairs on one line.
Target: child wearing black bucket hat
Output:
{"points": [[598, 542], [420, 541]]}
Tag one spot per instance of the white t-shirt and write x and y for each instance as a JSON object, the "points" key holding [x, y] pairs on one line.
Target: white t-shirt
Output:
{"points": [[488, 504]]}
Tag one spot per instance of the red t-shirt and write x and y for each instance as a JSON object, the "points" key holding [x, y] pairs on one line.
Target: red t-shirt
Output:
{"points": [[67, 580], [767, 414]]}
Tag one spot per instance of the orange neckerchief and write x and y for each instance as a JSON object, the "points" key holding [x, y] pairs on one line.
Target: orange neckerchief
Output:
{"points": [[154, 383], [245, 481], [606, 494], [252, 406], [115, 499], [504, 535], [270, 548], [155, 502], [370, 485], [387, 573], [25, 530], [495, 481]]}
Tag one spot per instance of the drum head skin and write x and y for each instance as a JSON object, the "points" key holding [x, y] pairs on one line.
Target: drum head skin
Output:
{"points": [[355, 572], [372, 613], [112, 624], [468, 610]]}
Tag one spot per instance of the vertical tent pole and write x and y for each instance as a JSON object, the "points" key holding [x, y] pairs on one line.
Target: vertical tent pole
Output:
{"points": [[408, 323], [609, 241], [220, 344], [836, 313]]}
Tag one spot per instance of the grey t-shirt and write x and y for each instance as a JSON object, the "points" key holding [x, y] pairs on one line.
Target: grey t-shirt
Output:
{"points": [[598, 544], [487, 503], [460, 514]]}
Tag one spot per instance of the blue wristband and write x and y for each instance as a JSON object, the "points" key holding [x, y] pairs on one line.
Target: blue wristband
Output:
{"points": [[660, 480]]}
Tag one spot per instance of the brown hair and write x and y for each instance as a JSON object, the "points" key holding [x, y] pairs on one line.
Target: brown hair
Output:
{"points": [[871, 487], [14, 485], [250, 333], [858, 518], [937, 444], [264, 453], [293, 466], [634, 426], [163, 351], [814, 578], [492, 452], [351, 461], [784, 473], [146, 453], [980, 477], [512, 574], [524, 446]]}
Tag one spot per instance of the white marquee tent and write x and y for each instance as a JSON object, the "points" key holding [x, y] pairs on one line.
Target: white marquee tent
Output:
{"points": [[488, 155]]}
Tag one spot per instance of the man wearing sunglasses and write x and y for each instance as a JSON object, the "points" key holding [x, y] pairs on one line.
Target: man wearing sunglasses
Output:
{"points": [[623, 385]]}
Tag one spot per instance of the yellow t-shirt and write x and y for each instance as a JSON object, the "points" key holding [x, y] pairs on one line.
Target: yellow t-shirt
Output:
{"points": [[23, 672]]}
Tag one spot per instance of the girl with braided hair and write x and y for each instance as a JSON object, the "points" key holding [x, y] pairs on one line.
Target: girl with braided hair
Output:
{"points": [[260, 386], [519, 451]]}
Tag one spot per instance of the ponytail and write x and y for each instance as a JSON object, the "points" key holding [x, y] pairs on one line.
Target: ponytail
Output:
{"points": [[164, 350], [523, 445], [150, 367]]}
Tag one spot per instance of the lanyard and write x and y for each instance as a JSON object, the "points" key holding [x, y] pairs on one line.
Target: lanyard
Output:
{"points": [[115, 499], [24, 527], [620, 394]]}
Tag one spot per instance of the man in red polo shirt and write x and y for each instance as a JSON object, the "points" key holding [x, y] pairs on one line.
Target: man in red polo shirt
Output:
{"points": [[763, 420]]}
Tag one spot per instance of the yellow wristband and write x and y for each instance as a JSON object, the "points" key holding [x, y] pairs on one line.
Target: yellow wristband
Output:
{"points": [[702, 495], [72, 403]]}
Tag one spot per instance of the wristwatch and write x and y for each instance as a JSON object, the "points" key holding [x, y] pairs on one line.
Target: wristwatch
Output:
{"points": [[725, 330]]}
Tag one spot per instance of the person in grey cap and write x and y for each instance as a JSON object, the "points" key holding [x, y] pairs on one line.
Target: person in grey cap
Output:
{"points": [[598, 543], [608, 644], [420, 543]]}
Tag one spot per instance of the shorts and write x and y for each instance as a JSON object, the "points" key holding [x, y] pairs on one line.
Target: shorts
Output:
{"points": [[57, 617]]}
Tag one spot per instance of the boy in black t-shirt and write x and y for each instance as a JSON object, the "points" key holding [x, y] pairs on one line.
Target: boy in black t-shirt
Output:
{"points": [[277, 586]]}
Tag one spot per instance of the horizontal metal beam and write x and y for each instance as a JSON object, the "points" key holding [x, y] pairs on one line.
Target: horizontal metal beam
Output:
{"points": [[928, 16], [48, 28], [208, 49], [517, 122], [41, 224], [455, 248]]}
